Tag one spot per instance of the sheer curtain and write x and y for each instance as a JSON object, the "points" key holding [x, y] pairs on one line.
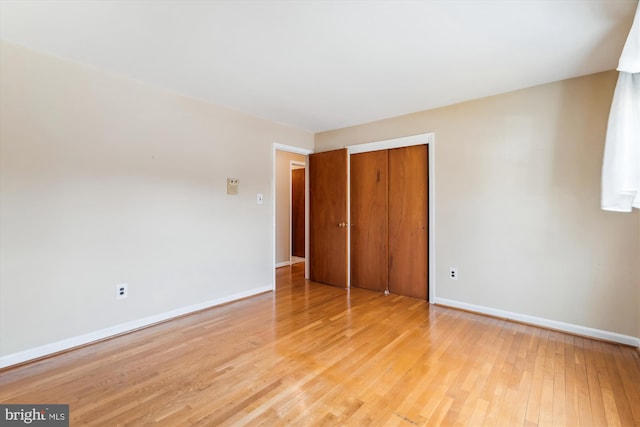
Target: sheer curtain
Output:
{"points": [[621, 164]]}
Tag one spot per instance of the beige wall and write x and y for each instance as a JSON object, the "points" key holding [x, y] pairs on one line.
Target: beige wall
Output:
{"points": [[517, 204], [106, 180], [283, 207]]}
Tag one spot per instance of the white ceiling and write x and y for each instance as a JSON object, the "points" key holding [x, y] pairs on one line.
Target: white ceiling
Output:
{"points": [[320, 65]]}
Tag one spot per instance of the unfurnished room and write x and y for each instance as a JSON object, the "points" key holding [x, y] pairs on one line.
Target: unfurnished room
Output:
{"points": [[320, 212]]}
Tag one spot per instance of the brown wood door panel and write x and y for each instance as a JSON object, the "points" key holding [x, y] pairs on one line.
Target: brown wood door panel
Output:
{"points": [[327, 209], [297, 212], [408, 221], [369, 254]]}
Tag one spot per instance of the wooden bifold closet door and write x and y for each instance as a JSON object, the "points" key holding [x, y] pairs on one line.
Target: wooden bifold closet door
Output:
{"points": [[408, 221], [328, 226], [369, 200], [389, 217]]}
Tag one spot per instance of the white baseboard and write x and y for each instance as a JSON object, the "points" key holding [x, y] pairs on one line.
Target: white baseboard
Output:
{"points": [[69, 343], [283, 264], [546, 323]]}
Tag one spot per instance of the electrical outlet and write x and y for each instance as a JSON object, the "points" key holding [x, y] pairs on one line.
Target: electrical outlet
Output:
{"points": [[453, 273], [122, 290]]}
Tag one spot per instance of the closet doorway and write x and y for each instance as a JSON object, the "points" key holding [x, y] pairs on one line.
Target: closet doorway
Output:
{"points": [[378, 233], [389, 220]]}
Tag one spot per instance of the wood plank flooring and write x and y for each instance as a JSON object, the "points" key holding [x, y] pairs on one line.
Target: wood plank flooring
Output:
{"points": [[312, 354]]}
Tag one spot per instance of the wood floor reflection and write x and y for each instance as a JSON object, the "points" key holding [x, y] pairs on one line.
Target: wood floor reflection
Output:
{"points": [[311, 354]]}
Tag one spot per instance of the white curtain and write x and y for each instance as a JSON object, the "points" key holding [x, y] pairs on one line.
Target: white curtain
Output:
{"points": [[621, 164]]}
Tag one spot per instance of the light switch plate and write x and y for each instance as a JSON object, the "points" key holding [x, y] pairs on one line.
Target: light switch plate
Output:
{"points": [[259, 199]]}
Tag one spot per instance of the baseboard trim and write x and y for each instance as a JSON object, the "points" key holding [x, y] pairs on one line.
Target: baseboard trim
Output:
{"points": [[283, 264], [110, 332], [545, 323]]}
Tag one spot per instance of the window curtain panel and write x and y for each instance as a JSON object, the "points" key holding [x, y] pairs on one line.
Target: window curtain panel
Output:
{"points": [[621, 163]]}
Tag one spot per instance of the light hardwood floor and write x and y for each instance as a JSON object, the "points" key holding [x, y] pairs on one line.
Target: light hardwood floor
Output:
{"points": [[312, 354]]}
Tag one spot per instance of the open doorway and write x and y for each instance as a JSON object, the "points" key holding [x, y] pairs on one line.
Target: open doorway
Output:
{"points": [[286, 160], [298, 212]]}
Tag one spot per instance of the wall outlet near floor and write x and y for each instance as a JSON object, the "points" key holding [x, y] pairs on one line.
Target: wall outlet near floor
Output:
{"points": [[122, 290], [453, 273]]}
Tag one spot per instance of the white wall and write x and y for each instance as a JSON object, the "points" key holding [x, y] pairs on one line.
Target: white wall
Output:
{"points": [[517, 204], [106, 180]]}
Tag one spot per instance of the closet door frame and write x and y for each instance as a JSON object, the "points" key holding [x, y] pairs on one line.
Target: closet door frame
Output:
{"points": [[421, 139]]}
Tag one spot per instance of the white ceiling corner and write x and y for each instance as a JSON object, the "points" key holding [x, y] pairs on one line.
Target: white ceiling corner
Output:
{"points": [[320, 65]]}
